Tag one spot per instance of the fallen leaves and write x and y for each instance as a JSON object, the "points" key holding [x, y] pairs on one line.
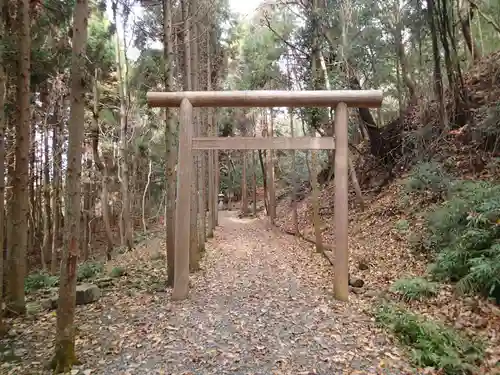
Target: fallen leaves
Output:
{"points": [[379, 255]]}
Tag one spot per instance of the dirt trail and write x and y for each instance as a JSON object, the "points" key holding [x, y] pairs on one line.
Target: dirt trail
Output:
{"points": [[262, 304]]}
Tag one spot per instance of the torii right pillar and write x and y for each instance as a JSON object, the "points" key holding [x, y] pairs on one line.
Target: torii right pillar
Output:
{"points": [[341, 265]]}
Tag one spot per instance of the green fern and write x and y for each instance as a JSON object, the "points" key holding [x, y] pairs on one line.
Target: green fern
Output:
{"points": [[464, 236], [39, 280], [428, 177], [89, 270], [431, 344], [416, 288]]}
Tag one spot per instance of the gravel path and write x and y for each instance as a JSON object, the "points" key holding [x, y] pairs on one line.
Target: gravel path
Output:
{"points": [[262, 304], [260, 307]]}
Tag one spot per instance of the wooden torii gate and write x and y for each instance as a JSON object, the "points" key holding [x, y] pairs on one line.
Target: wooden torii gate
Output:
{"points": [[186, 100]]}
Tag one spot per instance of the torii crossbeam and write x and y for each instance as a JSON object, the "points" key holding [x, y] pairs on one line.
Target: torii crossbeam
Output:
{"points": [[186, 100]]}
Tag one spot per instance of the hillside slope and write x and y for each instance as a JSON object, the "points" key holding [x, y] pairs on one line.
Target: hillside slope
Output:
{"points": [[380, 253]]}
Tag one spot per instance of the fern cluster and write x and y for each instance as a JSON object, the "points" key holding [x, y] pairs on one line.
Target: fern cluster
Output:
{"points": [[39, 280], [428, 177], [89, 270], [416, 288], [464, 234], [432, 344]]}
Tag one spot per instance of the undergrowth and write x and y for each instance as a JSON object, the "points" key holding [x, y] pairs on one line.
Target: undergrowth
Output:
{"points": [[416, 288], [89, 270], [431, 344], [42, 279], [428, 177], [462, 233], [39, 280]]}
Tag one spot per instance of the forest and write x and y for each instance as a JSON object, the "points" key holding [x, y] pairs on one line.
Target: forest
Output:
{"points": [[89, 180]]}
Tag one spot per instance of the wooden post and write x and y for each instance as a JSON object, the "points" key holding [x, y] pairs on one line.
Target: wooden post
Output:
{"points": [[270, 170], [244, 197], [215, 166], [217, 184], [341, 272], [216, 191], [254, 184], [211, 193], [182, 218], [295, 220]]}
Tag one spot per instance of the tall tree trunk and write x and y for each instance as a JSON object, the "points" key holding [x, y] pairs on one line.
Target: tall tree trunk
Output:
{"points": [[3, 92], [32, 177], [264, 179], [400, 51], [270, 171], [107, 209], [344, 19], [123, 149], [56, 188], [87, 204], [313, 176], [170, 142], [212, 191], [47, 213], [20, 208], [65, 356], [9, 165], [466, 15], [188, 85], [436, 57], [144, 193], [295, 182], [102, 167], [200, 192], [315, 74]]}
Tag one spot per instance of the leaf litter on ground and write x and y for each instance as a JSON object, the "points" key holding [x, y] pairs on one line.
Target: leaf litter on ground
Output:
{"points": [[374, 241]]}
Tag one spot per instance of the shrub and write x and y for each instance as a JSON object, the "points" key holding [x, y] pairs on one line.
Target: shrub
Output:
{"points": [[432, 344], [89, 270], [39, 280], [415, 288]]}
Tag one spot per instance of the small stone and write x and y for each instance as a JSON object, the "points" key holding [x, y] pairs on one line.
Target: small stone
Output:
{"points": [[49, 303], [157, 256], [355, 282], [19, 352], [362, 266], [87, 293], [481, 323]]}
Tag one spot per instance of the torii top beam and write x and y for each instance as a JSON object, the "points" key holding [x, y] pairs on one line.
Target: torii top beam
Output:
{"points": [[265, 98]]}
